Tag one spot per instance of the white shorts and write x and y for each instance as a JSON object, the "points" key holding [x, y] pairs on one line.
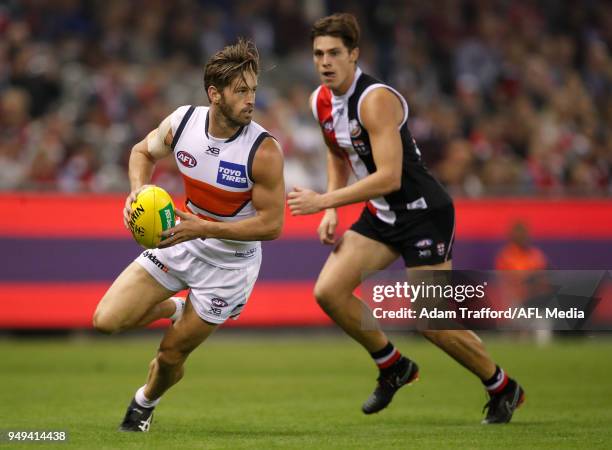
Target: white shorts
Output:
{"points": [[216, 293]]}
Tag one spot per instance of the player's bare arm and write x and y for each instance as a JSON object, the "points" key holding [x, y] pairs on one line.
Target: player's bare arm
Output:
{"points": [[381, 113], [155, 146], [338, 171], [268, 198]]}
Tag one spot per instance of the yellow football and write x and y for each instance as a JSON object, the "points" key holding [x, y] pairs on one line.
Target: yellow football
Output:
{"points": [[152, 213]]}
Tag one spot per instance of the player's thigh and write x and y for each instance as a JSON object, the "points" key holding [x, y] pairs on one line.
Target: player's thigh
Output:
{"points": [[446, 265], [130, 296], [424, 273], [354, 255], [184, 336]]}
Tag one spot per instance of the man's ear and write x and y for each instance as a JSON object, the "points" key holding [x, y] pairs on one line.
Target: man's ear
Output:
{"points": [[214, 95], [354, 55]]}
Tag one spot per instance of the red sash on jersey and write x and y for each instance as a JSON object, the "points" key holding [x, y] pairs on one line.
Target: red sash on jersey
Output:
{"points": [[326, 121], [213, 199]]}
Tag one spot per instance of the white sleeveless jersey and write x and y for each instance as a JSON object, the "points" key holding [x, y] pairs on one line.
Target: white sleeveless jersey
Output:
{"points": [[217, 174]]}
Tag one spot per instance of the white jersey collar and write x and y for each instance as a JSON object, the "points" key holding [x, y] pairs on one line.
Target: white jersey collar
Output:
{"points": [[351, 89]]}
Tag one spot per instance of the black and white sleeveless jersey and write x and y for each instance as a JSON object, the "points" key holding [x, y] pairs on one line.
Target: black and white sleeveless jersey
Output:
{"points": [[340, 121]]}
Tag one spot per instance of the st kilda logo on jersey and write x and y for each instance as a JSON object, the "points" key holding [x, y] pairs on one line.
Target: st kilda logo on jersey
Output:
{"points": [[328, 126], [186, 159], [354, 128]]}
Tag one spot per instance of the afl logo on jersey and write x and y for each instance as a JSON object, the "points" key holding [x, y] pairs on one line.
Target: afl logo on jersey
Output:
{"points": [[186, 159], [218, 302], [354, 128]]}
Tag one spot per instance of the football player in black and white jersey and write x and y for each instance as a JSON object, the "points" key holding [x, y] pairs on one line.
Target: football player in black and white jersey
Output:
{"points": [[407, 213]]}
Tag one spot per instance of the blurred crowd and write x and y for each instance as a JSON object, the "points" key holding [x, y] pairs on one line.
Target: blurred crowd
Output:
{"points": [[506, 96]]}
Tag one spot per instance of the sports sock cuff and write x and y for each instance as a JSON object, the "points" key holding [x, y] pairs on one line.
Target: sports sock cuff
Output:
{"points": [[144, 401], [497, 382], [386, 356]]}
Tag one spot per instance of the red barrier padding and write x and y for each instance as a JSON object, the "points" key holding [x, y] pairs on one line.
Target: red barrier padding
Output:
{"points": [[89, 215], [548, 219], [59, 305]]}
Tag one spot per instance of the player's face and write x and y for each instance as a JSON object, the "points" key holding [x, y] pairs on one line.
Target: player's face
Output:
{"points": [[334, 63], [238, 99]]}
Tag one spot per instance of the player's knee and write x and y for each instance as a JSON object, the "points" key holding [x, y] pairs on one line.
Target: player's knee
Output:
{"points": [[324, 295], [105, 323], [428, 334]]}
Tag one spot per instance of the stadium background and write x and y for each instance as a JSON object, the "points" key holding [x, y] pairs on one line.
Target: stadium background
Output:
{"points": [[510, 103]]}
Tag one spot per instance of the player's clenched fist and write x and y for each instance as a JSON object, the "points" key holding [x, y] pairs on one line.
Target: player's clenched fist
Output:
{"points": [[327, 227], [304, 201]]}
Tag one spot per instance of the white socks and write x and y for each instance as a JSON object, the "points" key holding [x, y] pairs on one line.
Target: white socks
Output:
{"points": [[180, 307], [144, 401]]}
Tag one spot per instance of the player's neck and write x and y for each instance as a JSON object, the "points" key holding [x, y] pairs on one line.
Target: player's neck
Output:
{"points": [[219, 126], [346, 84]]}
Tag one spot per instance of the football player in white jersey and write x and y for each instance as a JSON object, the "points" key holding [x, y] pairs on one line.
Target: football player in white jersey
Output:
{"points": [[407, 214], [233, 173]]}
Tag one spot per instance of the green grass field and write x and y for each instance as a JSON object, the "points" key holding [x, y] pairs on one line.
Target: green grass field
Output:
{"points": [[278, 391]]}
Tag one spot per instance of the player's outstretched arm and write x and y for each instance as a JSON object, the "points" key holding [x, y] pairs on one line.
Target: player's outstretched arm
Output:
{"points": [[381, 113], [268, 197], [142, 161]]}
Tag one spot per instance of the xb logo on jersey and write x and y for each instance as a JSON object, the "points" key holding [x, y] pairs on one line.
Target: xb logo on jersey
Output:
{"points": [[186, 159], [212, 151], [232, 175]]}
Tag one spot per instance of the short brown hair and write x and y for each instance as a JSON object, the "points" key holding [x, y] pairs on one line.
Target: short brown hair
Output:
{"points": [[232, 61], [340, 25]]}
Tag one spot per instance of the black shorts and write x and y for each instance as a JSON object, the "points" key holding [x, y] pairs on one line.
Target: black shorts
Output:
{"points": [[421, 237]]}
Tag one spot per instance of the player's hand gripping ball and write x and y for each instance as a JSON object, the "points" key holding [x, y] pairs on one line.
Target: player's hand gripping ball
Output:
{"points": [[152, 213]]}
